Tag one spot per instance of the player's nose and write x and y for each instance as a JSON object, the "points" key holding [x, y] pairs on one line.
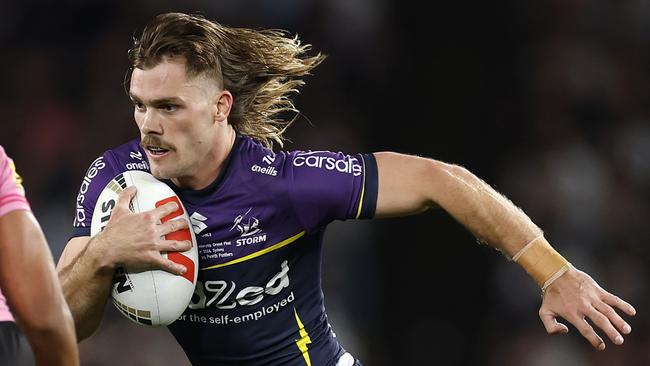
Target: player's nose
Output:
{"points": [[150, 122]]}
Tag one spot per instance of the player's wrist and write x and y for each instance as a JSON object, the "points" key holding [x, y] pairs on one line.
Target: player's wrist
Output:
{"points": [[100, 257], [542, 262]]}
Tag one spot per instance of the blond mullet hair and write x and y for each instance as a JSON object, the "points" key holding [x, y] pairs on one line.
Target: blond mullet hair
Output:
{"points": [[261, 68]]}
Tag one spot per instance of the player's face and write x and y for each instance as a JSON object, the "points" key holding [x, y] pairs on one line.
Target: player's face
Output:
{"points": [[176, 118]]}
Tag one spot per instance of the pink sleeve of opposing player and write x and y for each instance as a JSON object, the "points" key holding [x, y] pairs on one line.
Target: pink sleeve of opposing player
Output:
{"points": [[12, 194]]}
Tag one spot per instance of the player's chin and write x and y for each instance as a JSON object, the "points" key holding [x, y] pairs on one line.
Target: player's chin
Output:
{"points": [[160, 172]]}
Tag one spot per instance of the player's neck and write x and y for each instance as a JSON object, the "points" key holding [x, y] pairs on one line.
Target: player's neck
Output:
{"points": [[212, 165]]}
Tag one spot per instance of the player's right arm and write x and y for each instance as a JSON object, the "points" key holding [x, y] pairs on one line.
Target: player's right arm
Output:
{"points": [[85, 285], [131, 240]]}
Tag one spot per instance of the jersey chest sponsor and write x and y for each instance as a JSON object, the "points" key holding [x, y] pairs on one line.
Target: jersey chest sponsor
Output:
{"points": [[224, 294]]}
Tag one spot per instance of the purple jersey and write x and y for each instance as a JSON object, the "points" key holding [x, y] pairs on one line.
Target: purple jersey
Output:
{"points": [[259, 228]]}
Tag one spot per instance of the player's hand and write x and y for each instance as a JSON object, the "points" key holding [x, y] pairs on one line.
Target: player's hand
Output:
{"points": [[577, 298], [136, 240]]}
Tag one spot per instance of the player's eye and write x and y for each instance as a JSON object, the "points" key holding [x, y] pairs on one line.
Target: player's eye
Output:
{"points": [[138, 106], [169, 107]]}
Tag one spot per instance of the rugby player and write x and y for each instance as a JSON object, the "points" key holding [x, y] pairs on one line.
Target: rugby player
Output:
{"points": [[33, 311], [208, 101]]}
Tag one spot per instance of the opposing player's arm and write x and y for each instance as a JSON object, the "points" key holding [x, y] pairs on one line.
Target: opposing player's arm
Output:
{"points": [[410, 184], [28, 279], [132, 240]]}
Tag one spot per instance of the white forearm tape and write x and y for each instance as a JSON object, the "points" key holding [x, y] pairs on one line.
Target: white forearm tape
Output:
{"points": [[543, 263]]}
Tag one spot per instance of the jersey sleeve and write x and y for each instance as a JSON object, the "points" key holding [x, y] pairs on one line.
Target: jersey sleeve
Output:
{"points": [[100, 172], [329, 186], [12, 194]]}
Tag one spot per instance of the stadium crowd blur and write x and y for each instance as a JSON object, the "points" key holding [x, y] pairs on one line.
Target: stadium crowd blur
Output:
{"points": [[549, 101]]}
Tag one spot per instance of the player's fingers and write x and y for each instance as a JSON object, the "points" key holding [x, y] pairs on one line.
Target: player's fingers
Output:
{"points": [[616, 301], [174, 245], [551, 324], [588, 332], [164, 210], [124, 198], [171, 267], [172, 226], [602, 322], [613, 317]]}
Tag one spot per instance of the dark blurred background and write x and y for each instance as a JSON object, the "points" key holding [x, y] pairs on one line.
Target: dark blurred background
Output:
{"points": [[548, 101]]}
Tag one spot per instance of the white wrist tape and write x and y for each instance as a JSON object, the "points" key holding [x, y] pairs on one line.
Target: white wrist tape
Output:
{"points": [[543, 263], [525, 248], [557, 275]]}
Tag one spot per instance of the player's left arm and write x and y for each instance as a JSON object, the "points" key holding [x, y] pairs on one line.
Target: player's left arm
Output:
{"points": [[410, 184]]}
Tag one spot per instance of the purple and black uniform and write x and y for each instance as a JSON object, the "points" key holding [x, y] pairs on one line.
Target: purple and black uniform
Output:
{"points": [[259, 228]]}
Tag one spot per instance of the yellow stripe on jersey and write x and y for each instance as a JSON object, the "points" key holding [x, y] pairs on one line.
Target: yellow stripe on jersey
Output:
{"points": [[258, 253], [304, 339], [363, 188]]}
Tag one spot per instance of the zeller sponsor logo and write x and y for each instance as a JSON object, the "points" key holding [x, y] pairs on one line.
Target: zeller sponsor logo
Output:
{"points": [[221, 294], [92, 172], [347, 164], [226, 319]]}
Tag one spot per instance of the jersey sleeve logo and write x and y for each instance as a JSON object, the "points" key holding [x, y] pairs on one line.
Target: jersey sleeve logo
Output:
{"points": [[324, 160], [95, 167]]}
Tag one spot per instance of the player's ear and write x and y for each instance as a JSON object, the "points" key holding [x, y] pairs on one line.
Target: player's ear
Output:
{"points": [[222, 105]]}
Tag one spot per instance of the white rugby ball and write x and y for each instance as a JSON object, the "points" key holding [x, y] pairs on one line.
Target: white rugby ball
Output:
{"points": [[153, 297]]}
